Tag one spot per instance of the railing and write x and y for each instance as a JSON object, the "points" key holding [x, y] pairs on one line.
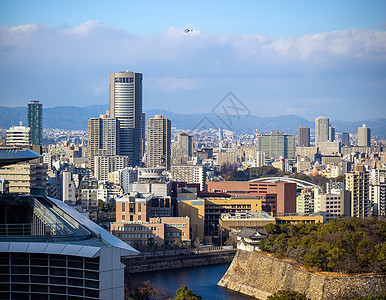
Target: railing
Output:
{"points": [[183, 251], [23, 229]]}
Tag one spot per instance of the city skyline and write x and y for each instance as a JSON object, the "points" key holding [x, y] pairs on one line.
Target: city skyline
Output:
{"points": [[309, 59]]}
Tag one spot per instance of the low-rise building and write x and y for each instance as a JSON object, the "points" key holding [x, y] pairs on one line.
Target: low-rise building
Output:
{"points": [[154, 232]]}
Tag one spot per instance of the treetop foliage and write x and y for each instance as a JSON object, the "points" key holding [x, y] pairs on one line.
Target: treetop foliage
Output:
{"points": [[183, 293], [342, 245]]}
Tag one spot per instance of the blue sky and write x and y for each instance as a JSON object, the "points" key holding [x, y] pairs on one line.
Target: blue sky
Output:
{"points": [[307, 58]]}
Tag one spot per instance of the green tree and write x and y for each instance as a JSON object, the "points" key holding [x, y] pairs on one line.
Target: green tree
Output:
{"points": [[183, 293], [287, 295], [272, 228]]}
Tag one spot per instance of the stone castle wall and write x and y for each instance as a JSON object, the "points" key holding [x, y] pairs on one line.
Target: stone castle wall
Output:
{"points": [[260, 275], [137, 265]]}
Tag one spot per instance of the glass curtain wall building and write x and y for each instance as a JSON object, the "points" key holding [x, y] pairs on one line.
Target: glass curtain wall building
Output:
{"points": [[35, 122]]}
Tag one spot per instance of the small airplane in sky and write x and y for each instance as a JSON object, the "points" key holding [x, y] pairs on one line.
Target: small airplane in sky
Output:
{"points": [[188, 30]]}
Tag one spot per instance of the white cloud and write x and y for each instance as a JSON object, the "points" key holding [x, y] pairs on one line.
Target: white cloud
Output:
{"points": [[177, 62], [173, 84]]}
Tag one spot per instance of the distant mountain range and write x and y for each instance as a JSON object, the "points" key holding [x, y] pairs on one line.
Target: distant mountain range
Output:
{"points": [[75, 118]]}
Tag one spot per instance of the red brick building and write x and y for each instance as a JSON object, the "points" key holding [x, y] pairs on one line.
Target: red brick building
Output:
{"points": [[281, 196]]}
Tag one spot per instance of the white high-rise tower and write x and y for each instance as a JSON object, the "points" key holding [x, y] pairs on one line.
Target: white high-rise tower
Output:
{"points": [[126, 106]]}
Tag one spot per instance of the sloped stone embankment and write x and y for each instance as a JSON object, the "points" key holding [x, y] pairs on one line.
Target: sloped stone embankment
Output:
{"points": [[260, 275]]}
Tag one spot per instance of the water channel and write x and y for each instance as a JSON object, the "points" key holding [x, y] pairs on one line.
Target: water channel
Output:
{"points": [[201, 280]]}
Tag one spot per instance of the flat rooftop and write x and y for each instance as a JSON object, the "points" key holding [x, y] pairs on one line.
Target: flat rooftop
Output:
{"points": [[248, 215]]}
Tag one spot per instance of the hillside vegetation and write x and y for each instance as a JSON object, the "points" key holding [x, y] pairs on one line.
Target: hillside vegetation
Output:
{"points": [[342, 245]]}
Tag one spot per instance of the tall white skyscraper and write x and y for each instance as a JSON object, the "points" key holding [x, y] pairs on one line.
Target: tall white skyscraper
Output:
{"points": [[322, 128], [126, 106]]}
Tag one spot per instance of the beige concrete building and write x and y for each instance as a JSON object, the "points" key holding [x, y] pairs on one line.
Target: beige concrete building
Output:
{"points": [[322, 125], [25, 178], [364, 136], [158, 151], [189, 174], [357, 182], [184, 146], [227, 157], [205, 213], [157, 231], [303, 136], [333, 205], [103, 138], [103, 165]]}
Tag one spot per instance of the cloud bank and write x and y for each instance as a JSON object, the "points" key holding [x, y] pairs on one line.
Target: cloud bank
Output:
{"points": [[327, 73]]}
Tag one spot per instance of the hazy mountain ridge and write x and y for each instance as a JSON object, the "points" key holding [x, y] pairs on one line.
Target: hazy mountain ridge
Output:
{"points": [[75, 118]]}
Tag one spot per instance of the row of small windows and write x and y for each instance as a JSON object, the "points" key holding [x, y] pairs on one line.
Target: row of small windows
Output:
{"points": [[137, 242], [136, 235], [175, 234], [135, 228], [124, 80]]}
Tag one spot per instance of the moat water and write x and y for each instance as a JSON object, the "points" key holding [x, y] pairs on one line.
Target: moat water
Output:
{"points": [[201, 280]]}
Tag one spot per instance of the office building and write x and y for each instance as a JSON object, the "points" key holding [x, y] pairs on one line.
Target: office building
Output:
{"points": [[143, 134], [127, 177], [345, 139], [144, 220], [154, 232], [19, 136], [333, 204], [158, 151], [189, 174], [126, 106], [185, 145], [331, 134], [35, 122], [103, 138], [364, 136], [103, 165], [277, 145], [26, 178], [378, 191], [204, 213], [260, 159], [329, 148], [227, 157], [303, 136], [280, 197], [357, 182], [140, 207], [68, 188], [151, 180], [322, 128], [88, 196]]}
